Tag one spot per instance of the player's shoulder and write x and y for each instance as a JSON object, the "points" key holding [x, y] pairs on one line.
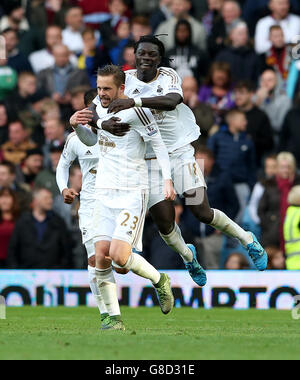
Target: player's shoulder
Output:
{"points": [[136, 115], [71, 139], [168, 72]]}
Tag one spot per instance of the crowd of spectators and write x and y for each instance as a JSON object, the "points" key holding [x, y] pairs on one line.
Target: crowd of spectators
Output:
{"points": [[239, 63]]}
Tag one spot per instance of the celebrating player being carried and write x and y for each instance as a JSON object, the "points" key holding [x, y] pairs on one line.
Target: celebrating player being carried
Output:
{"points": [[121, 196], [160, 89]]}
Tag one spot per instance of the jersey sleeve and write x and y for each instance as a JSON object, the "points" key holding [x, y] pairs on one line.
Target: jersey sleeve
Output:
{"points": [[144, 123], [66, 159], [170, 81]]}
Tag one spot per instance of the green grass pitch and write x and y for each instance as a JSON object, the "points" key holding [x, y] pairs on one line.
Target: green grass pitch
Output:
{"points": [[73, 333]]}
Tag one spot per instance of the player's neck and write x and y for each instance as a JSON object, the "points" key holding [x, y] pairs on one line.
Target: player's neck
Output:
{"points": [[146, 76]]}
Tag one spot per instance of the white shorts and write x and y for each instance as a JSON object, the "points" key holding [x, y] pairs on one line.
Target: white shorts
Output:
{"points": [[186, 175], [86, 228], [120, 215]]}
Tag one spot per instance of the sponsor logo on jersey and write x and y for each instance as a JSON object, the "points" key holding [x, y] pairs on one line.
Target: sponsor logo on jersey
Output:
{"points": [[151, 130], [129, 233], [89, 153], [136, 91]]}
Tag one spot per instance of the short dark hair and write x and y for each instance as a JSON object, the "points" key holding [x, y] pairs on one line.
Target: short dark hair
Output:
{"points": [[89, 96], [152, 40], [245, 84], [9, 165], [115, 71]]}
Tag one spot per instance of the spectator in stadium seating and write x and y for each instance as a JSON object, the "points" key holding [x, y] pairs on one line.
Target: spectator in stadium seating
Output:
{"points": [[72, 34], [92, 57], [121, 39], [235, 155], [30, 167], [140, 27], [30, 38], [270, 171], [279, 56], [292, 230], [44, 58], [185, 56], [21, 103], [213, 15], [16, 59], [9, 212], [128, 58], [49, 111], [236, 261], [217, 91], [253, 11], [59, 80], [69, 213], [273, 101], [55, 135], [290, 134], [280, 15], [51, 14], [117, 13], [231, 15], [240, 55], [155, 249], [8, 180], [162, 14], [274, 203], [40, 239], [3, 124], [47, 177], [203, 113], [258, 126], [180, 10], [14, 150], [8, 79], [276, 258], [222, 196], [14, 18]]}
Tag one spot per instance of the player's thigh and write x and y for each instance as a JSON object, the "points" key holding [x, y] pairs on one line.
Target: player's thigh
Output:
{"points": [[186, 172], [131, 219]]}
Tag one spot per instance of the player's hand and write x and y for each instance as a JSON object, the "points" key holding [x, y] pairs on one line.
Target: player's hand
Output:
{"points": [[114, 127], [121, 105], [81, 117], [169, 191], [69, 196]]}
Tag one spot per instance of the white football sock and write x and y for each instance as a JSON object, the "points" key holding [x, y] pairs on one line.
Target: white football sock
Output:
{"points": [[95, 290], [176, 242], [108, 290], [224, 224], [139, 266]]}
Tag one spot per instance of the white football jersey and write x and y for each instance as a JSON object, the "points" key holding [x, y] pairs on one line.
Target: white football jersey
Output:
{"points": [[88, 158], [122, 159], [178, 128]]}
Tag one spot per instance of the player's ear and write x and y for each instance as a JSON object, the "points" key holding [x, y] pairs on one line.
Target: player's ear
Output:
{"points": [[122, 88]]}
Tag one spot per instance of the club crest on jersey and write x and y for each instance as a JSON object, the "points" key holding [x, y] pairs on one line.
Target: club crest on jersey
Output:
{"points": [[151, 130], [160, 90]]}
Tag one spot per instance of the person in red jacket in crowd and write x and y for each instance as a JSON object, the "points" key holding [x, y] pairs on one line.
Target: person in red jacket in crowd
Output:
{"points": [[9, 212]]}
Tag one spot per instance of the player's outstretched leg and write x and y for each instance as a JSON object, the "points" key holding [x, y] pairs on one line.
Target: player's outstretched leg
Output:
{"points": [[163, 214], [139, 266], [223, 223]]}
